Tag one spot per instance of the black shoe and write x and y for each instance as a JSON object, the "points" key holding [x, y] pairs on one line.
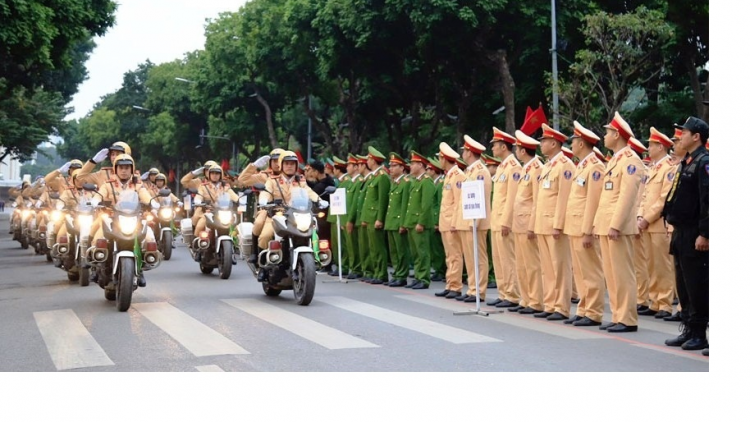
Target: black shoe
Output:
{"points": [[262, 275], [494, 302], [462, 297], [695, 343], [421, 286], [573, 319], [141, 280], [640, 308], [586, 322], [622, 328], [506, 304], [662, 314], [436, 277], [607, 326], [397, 283], [647, 312], [377, 281], [452, 295], [557, 316], [677, 317], [518, 308], [470, 299], [492, 285], [412, 284], [705, 352], [542, 314], [684, 336], [443, 293], [575, 300], [352, 276], [528, 311]]}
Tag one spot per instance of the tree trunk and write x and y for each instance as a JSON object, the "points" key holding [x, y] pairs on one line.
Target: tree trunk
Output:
{"points": [[509, 91], [269, 119], [695, 84]]}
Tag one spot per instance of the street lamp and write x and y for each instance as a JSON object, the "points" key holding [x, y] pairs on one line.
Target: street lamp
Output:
{"points": [[184, 80], [498, 111], [140, 108]]}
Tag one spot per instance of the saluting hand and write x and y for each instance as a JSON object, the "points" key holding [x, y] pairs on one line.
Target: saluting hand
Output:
{"points": [[701, 244]]}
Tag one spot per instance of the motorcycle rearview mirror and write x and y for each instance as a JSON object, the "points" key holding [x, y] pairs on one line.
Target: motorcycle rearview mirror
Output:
{"points": [[165, 192], [89, 187], [259, 187], [194, 191], [330, 189], [54, 195]]}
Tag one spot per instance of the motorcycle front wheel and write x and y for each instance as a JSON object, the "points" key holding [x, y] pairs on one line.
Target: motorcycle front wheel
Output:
{"points": [[304, 285], [125, 277], [225, 259], [166, 245], [270, 291]]}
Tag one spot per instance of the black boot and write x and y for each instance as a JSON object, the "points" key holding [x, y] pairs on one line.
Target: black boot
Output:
{"points": [[141, 280], [698, 340], [253, 258], [683, 337]]}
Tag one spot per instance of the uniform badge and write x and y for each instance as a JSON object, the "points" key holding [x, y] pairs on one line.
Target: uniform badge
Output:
{"points": [[581, 182], [547, 184], [596, 176], [670, 176], [631, 169], [516, 176], [480, 177], [706, 168], [447, 186], [608, 186], [502, 178], [458, 185], [567, 174]]}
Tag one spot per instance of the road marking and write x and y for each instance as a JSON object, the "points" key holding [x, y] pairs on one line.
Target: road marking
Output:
{"points": [[69, 343], [677, 352], [209, 368], [519, 321], [192, 334], [316, 332], [421, 325]]}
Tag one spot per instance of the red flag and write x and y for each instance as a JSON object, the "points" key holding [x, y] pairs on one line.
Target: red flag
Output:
{"points": [[534, 122], [299, 158], [225, 164], [528, 113], [171, 176]]}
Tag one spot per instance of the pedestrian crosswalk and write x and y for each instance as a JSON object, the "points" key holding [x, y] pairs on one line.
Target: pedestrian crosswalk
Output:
{"points": [[71, 346]]}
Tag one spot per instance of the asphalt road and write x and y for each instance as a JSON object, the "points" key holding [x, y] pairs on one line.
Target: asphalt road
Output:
{"points": [[186, 321]]}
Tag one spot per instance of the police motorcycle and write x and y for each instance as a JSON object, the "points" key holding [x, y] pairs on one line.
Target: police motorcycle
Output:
{"points": [[289, 261], [118, 260], [34, 232], [162, 215], [39, 230], [214, 246], [78, 222], [55, 214], [20, 223]]}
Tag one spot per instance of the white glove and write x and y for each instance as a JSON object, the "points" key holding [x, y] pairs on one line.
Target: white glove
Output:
{"points": [[197, 172], [65, 167], [101, 155], [262, 201], [322, 204], [144, 176], [262, 161]]}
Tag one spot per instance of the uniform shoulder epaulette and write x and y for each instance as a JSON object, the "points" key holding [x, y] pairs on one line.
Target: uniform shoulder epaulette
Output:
{"points": [[628, 153]]}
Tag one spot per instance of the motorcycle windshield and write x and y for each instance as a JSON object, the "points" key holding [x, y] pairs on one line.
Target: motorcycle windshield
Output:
{"points": [[224, 202], [300, 201], [128, 202], [84, 204], [165, 201]]}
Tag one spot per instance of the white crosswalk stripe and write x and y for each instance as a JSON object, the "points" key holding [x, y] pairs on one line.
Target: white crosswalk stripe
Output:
{"points": [[420, 325], [519, 321], [69, 343], [209, 368], [316, 332], [192, 334]]}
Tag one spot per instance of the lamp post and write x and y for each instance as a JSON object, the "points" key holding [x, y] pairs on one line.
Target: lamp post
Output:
{"points": [[555, 101]]}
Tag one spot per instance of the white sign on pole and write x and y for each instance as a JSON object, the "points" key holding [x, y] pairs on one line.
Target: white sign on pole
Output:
{"points": [[472, 200], [338, 202]]}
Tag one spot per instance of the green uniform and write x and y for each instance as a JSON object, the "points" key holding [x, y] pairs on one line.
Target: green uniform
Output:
{"points": [[437, 255], [374, 208], [345, 183], [420, 211], [363, 238], [398, 243], [355, 218]]}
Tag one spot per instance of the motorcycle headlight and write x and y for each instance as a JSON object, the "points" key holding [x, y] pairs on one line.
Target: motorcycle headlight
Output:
{"points": [[225, 217], [56, 215], [25, 213], [165, 213], [86, 220], [128, 224], [303, 221], [59, 205]]}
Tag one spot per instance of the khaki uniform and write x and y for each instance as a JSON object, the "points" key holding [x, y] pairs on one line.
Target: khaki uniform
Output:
{"points": [[111, 191], [548, 215], [476, 171], [656, 237], [528, 265], [251, 175], [640, 260], [208, 194], [505, 186], [617, 210], [280, 187], [579, 221], [99, 178], [450, 204], [189, 181]]}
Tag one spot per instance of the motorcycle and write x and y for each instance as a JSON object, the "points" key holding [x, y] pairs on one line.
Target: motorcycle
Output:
{"points": [[214, 246], [78, 223], [56, 214], [161, 218], [119, 259], [289, 261], [20, 225]]}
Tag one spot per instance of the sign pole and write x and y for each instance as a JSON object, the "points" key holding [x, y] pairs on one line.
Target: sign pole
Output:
{"points": [[338, 208], [338, 246]]}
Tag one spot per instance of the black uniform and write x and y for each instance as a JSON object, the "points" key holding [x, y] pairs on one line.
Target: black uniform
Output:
{"points": [[686, 209]]}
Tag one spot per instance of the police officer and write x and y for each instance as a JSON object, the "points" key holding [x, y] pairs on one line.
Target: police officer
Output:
{"points": [[419, 220], [351, 240], [686, 210], [374, 208], [342, 181], [437, 250], [450, 204], [395, 218]]}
